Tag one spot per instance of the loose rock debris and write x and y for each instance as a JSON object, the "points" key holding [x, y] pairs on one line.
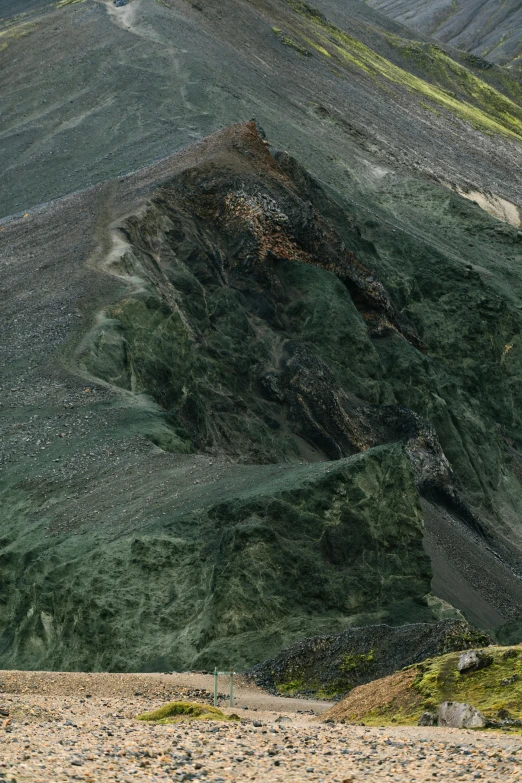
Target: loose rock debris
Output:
{"points": [[55, 733]]}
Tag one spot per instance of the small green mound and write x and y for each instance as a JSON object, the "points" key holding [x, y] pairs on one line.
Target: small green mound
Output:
{"points": [[177, 711]]}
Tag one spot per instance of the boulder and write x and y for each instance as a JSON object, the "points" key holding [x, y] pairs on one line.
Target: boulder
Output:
{"points": [[510, 680], [459, 715], [473, 660], [427, 719]]}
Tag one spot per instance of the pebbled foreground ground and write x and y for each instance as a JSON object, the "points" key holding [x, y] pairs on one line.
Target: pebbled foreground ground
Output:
{"points": [[65, 727]]}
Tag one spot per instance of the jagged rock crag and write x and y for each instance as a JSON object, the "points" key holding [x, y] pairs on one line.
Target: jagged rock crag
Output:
{"points": [[224, 250]]}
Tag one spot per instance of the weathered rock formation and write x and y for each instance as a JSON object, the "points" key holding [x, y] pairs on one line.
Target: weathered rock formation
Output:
{"points": [[332, 665], [458, 715]]}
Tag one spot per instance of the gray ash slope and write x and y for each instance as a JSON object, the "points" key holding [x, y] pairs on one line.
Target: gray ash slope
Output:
{"points": [[487, 28], [92, 91], [175, 492]]}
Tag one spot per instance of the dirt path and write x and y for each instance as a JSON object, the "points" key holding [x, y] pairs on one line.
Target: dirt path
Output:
{"points": [[191, 685], [246, 694], [82, 727]]}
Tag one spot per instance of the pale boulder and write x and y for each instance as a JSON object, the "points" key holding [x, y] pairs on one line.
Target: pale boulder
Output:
{"points": [[473, 660], [459, 715]]}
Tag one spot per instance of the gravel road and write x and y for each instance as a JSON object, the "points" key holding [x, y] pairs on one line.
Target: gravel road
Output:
{"points": [[65, 727]]}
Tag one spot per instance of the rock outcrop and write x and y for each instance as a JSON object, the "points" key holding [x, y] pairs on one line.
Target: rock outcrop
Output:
{"points": [[457, 715], [332, 665], [473, 660], [428, 719]]}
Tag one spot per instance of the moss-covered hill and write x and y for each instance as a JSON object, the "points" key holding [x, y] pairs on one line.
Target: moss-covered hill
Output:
{"points": [[184, 711], [402, 697], [240, 566], [229, 452]]}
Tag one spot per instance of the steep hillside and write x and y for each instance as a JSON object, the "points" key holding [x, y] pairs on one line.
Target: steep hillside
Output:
{"points": [[240, 327], [247, 399], [92, 91], [491, 29]]}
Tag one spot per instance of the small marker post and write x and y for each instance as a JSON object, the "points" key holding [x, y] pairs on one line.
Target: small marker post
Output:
{"points": [[215, 686], [231, 688]]}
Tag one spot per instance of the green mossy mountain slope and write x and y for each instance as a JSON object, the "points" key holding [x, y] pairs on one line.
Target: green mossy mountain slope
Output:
{"points": [[237, 567], [239, 315], [243, 403]]}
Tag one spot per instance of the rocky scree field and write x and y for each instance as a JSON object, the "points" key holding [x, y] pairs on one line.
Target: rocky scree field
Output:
{"points": [[331, 666]]}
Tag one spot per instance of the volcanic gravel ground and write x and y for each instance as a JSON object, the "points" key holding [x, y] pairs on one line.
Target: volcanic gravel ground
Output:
{"points": [[58, 731]]}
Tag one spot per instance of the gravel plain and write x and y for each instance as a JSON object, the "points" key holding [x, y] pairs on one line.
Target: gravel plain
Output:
{"points": [[64, 727]]}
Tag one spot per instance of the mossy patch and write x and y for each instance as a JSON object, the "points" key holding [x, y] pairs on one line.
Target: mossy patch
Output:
{"points": [[308, 11], [404, 696], [178, 711], [287, 41], [14, 31], [292, 687], [361, 662]]}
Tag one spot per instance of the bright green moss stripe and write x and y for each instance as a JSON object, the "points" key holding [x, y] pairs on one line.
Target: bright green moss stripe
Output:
{"points": [[439, 66], [61, 3]]}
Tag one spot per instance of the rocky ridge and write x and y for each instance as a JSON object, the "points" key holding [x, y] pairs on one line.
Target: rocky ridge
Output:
{"points": [[243, 403]]}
